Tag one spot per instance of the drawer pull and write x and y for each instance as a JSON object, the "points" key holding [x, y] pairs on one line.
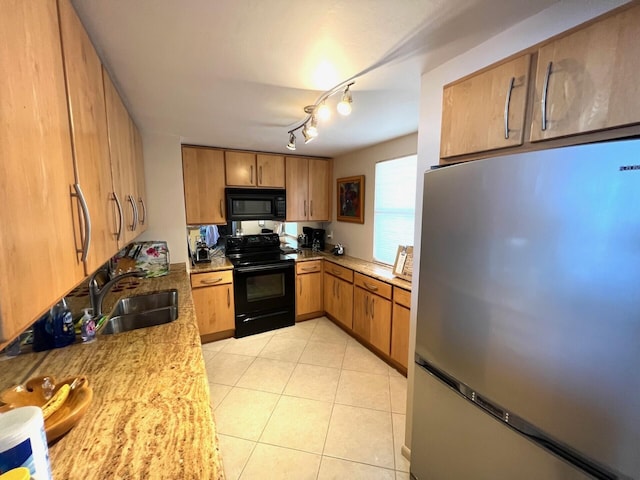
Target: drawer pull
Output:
{"points": [[211, 281], [336, 272], [373, 288], [309, 269]]}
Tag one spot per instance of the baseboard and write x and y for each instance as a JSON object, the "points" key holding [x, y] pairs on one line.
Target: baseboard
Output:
{"points": [[406, 452]]}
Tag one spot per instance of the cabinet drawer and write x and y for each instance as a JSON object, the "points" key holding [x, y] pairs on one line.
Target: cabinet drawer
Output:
{"points": [[211, 278], [309, 267], [338, 271], [402, 297], [374, 286]]}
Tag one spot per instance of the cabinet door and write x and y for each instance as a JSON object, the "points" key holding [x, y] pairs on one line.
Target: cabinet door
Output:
{"points": [[270, 170], [122, 161], [591, 79], [203, 177], [362, 313], [37, 242], [214, 308], [380, 331], [400, 335], [486, 111], [141, 190], [90, 145], [338, 300], [319, 188], [309, 293], [297, 184], [240, 169]]}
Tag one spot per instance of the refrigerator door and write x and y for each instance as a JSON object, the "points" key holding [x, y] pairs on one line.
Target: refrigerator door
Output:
{"points": [[456, 440], [530, 291]]}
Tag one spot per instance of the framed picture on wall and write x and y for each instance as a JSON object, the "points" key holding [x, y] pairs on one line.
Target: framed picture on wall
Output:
{"points": [[351, 199]]}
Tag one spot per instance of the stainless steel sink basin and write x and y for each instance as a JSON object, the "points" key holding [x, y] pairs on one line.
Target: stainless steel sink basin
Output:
{"points": [[141, 311]]}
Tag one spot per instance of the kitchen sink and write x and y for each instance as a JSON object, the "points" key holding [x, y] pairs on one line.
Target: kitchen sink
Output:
{"points": [[141, 311]]}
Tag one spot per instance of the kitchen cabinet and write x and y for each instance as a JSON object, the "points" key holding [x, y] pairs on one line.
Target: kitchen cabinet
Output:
{"points": [[338, 293], [588, 80], [308, 187], [213, 300], [202, 170], [39, 234], [123, 166], [309, 301], [487, 110], [248, 169], [400, 326], [372, 311], [90, 143]]}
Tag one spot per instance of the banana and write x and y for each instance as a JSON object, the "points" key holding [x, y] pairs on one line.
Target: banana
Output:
{"points": [[56, 401]]}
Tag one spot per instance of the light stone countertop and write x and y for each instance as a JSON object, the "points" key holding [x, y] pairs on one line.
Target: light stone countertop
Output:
{"points": [[150, 416]]}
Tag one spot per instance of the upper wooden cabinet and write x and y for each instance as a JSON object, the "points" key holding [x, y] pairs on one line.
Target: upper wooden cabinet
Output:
{"points": [[588, 80], [486, 111], [203, 176], [37, 241], [247, 169], [308, 187], [89, 133]]}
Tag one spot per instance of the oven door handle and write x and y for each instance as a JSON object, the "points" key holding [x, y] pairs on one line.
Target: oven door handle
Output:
{"points": [[263, 268]]}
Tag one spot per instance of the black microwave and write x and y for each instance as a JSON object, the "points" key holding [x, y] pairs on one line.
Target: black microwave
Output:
{"points": [[256, 204]]}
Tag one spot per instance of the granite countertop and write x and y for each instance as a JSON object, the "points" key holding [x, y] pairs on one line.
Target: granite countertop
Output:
{"points": [[150, 416], [371, 269], [216, 264]]}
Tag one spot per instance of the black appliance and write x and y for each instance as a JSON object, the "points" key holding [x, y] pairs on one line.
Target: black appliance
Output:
{"points": [[256, 204], [263, 283], [311, 234]]}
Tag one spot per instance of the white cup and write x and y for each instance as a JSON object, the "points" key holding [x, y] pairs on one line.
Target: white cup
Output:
{"points": [[23, 442]]}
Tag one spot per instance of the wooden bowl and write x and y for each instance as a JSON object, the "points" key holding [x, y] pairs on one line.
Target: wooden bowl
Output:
{"points": [[62, 420]]}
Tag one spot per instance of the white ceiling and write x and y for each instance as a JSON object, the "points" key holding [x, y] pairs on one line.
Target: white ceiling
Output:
{"points": [[238, 73]]}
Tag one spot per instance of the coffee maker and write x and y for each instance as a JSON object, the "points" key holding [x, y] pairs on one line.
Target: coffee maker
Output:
{"points": [[313, 234]]}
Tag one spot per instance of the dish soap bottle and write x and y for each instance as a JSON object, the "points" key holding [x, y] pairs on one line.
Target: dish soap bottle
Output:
{"points": [[61, 325], [88, 327]]}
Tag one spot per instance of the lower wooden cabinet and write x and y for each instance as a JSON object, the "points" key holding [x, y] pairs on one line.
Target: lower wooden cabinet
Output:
{"points": [[400, 326], [372, 312], [309, 302], [213, 299], [338, 294]]}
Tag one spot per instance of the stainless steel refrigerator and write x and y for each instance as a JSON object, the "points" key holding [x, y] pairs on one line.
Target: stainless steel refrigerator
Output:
{"points": [[528, 318]]}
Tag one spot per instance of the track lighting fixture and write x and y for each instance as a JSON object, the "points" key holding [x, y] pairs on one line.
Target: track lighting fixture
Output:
{"points": [[320, 110], [344, 107], [292, 141]]}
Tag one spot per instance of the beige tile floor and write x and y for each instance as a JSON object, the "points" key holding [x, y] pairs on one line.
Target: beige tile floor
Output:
{"points": [[306, 402]]}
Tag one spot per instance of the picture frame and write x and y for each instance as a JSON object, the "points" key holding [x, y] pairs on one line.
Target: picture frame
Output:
{"points": [[403, 266], [350, 204]]}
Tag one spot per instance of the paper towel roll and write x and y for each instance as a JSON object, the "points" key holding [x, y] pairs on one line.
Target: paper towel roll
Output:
{"points": [[23, 442]]}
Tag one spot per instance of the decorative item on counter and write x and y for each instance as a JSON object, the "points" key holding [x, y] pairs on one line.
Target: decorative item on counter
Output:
{"points": [[88, 327], [61, 404], [338, 250], [151, 257], [23, 442], [403, 266]]}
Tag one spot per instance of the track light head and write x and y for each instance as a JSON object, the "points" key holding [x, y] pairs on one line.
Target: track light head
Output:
{"points": [[344, 106], [306, 135], [292, 141], [323, 111], [312, 127]]}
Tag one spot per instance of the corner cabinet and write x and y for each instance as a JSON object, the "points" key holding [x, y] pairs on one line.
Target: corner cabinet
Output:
{"points": [[588, 80], [203, 177], [213, 299], [372, 311], [338, 293], [308, 189], [37, 165], [487, 110], [247, 169], [309, 301]]}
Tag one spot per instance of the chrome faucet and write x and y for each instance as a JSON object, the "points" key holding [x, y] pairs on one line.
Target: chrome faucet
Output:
{"points": [[97, 294]]}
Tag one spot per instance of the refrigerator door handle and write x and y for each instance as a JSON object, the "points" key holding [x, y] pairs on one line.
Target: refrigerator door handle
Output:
{"points": [[539, 437]]}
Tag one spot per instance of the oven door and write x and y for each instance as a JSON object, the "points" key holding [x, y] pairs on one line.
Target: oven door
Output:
{"points": [[264, 297]]}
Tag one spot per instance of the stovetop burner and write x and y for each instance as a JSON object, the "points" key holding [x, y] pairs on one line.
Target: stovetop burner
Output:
{"points": [[258, 249]]}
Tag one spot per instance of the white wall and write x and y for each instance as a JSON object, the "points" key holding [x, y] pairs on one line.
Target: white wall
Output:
{"points": [[165, 194], [556, 19], [358, 238]]}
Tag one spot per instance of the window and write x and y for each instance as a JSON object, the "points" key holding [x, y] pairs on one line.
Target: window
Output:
{"points": [[394, 208]]}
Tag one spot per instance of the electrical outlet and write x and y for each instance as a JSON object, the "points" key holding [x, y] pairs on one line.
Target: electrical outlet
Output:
{"points": [[330, 235]]}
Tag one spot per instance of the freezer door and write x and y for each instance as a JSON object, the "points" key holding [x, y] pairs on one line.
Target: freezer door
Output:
{"points": [[530, 290], [453, 439]]}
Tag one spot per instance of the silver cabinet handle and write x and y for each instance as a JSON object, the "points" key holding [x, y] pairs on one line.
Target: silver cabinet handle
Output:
{"points": [[120, 216], [87, 222], [545, 89], [300, 283], [336, 272], [311, 208], [251, 170], [228, 298], [210, 281], [144, 210], [373, 288], [305, 208], [373, 307], [507, 102], [221, 212], [260, 181], [133, 212], [366, 305]]}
